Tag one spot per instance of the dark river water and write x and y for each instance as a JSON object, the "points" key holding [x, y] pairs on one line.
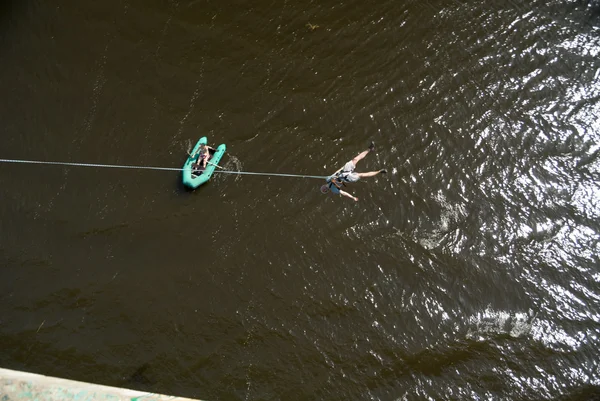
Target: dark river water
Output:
{"points": [[469, 272]]}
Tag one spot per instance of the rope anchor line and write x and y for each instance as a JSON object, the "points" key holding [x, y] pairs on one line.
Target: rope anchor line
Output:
{"points": [[152, 168]]}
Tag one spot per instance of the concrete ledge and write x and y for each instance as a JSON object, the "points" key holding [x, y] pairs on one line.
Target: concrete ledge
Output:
{"points": [[21, 386]]}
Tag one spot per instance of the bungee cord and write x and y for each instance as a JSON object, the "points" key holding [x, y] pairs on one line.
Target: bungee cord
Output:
{"points": [[153, 168]]}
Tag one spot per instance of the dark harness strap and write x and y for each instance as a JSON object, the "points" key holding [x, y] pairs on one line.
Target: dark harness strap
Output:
{"points": [[333, 182], [339, 180]]}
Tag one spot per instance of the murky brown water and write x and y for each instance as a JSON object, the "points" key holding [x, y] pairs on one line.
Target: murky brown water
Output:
{"points": [[469, 272]]}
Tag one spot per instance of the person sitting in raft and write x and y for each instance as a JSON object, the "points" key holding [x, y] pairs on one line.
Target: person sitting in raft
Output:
{"points": [[203, 153], [347, 174]]}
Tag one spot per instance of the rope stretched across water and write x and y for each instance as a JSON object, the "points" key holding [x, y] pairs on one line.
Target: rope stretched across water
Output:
{"points": [[153, 168]]}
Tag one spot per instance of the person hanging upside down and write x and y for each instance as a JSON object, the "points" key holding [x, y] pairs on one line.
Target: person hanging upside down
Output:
{"points": [[337, 180]]}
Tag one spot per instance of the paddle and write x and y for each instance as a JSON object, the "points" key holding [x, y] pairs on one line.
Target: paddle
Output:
{"points": [[216, 165]]}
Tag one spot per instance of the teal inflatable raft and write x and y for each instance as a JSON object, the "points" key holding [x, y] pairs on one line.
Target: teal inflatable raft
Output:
{"points": [[194, 176]]}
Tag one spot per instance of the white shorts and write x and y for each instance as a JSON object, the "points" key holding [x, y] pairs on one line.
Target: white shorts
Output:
{"points": [[349, 168]]}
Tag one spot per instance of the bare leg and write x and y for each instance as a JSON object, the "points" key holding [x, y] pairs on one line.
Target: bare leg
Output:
{"points": [[360, 156], [369, 174]]}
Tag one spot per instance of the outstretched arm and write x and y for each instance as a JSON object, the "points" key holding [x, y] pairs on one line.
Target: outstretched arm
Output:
{"points": [[193, 155], [348, 195]]}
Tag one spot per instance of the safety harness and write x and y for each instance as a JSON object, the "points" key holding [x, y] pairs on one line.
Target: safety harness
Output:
{"points": [[339, 179]]}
